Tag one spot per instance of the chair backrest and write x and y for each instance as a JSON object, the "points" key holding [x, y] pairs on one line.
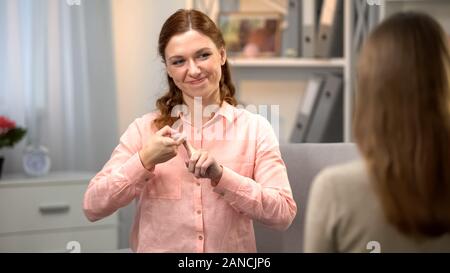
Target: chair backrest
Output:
{"points": [[303, 162]]}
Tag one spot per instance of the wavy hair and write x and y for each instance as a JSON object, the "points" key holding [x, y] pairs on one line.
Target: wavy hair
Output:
{"points": [[402, 121], [180, 22]]}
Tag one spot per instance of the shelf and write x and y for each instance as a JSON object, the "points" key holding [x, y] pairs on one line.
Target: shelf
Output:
{"points": [[287, 62]]}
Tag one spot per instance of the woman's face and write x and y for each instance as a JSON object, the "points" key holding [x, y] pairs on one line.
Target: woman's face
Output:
{"points": [[194, 63]]}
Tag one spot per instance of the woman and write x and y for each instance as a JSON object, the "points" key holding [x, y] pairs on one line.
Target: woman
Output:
{"points": [[200, 192], [398, 197]]}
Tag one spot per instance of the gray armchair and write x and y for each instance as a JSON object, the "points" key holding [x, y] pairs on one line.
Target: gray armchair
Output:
{"points": [[303, 162]]}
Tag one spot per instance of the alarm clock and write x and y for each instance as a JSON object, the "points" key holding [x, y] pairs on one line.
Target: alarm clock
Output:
{"points": [[36, 161]]}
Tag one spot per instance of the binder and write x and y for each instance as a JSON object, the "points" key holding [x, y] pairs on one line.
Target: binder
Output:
{"points": [[309, 20], [329, 36], [291, 40], [337, 42], [326, 122], [309, 101]]}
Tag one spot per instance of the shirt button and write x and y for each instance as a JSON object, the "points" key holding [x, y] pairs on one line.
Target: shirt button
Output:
{"points": [[200, 237], [147, 179], [199, 211], [198, 184]]}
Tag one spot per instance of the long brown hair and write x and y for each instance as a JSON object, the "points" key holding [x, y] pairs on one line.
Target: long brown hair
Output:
{"points": [[179, 22], [402, 121]]}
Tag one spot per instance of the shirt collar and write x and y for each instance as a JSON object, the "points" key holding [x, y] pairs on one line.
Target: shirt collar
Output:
{"points": [[226, 110]]}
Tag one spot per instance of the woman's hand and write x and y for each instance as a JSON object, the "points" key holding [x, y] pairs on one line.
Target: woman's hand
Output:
{"points": [[203, 165], [159, 148]]}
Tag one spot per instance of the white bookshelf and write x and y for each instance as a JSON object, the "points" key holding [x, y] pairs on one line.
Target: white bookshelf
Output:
{"points": [[294, 67], [305, 66]]}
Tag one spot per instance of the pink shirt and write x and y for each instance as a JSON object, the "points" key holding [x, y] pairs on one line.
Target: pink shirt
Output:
{"points": [[177, 212]]}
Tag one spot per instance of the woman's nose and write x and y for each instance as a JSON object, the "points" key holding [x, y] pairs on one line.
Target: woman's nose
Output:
{"points": [[194, 70]]}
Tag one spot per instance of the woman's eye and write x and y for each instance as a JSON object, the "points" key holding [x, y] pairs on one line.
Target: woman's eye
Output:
{"points": [[177, 62], [204, 55]]}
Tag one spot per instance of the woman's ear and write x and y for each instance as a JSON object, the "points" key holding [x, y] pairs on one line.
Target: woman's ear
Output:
{"points": [[223, 56]]}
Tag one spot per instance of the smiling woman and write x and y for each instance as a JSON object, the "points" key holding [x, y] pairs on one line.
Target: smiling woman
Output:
{"points": [[200, 193], [195, 71], [205, 58]]}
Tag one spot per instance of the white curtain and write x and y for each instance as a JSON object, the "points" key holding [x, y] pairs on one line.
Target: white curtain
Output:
{"points": [[45, 81]]}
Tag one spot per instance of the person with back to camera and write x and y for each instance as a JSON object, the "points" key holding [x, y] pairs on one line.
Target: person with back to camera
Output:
{"points": [[397, 198], [199, 180]]}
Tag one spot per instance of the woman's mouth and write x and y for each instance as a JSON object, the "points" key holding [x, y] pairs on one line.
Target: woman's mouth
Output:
{"points": [[197, 82]]}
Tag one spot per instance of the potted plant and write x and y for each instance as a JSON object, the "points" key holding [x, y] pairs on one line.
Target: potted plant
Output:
{"points": [[10, 134]]}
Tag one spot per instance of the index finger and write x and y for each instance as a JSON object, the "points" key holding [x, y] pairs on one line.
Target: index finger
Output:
{"points": [[179, 138], [190, 150]]}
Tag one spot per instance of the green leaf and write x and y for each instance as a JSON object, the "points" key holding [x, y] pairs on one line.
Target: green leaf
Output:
{"points": [[12, 137]]}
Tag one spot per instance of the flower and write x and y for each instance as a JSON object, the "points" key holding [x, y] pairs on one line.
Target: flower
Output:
{"points": [[10, 134]]}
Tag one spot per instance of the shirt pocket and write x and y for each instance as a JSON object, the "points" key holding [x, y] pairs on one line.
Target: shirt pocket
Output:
{"points": [[166, 184], [240, 164]]}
